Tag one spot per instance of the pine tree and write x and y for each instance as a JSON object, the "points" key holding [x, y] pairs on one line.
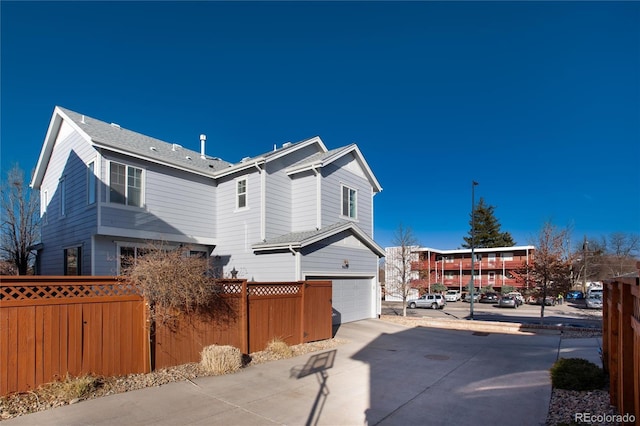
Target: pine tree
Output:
{"points": [[487, 229]]}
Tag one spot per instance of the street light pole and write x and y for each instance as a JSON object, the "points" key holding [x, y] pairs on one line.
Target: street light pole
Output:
{"points": [[473, 236]]}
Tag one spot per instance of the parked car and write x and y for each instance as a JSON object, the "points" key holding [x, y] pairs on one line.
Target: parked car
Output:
{"points": [[467, 297], [519, 297], [594, 301], [507, 301], [452, 295], [489, 297], [548, 301], [433, 301], [575, 295]]}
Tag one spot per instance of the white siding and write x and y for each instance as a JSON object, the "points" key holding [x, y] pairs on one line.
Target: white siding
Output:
{"points": [[238, 229], [69, 160], [330, 254], [304, 201], [177, 205], [335, 175]]}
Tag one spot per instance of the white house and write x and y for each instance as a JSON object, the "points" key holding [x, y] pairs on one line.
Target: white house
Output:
{"points": [[397, 264], [297, 212]]}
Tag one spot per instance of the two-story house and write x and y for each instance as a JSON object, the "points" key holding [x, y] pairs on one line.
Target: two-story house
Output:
{"points": [[299, 211]]}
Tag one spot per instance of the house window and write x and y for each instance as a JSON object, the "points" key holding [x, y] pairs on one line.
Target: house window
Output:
{"points": [[349, 202], [128, 257], [72, 264], [241, 193], [125, 185], [492, 277], [91, 183], [63, 196]]}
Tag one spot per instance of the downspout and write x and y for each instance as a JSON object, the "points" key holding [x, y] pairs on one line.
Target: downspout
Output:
{"points": [[318, 197], [263, 219], [297, 262]]}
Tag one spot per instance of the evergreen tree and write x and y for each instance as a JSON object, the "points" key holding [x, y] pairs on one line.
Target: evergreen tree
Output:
{"points": [[487, 229]]}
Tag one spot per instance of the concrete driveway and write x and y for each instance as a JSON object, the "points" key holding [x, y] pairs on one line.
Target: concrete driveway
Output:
{"points": [[386, 374]]}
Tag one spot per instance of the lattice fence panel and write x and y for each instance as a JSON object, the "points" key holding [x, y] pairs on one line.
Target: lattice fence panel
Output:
{"points": [[274, 290], [63, 291]]}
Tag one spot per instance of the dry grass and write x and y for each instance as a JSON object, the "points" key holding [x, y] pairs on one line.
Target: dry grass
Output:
{"points": [[279, 349], [70, 388], [218, 360]]}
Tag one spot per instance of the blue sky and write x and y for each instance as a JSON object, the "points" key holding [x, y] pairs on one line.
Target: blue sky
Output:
{"points": [[539, 102]]}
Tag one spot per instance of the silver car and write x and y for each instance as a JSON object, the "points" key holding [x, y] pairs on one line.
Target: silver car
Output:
{"points": [[433, 301], [594, 301]]}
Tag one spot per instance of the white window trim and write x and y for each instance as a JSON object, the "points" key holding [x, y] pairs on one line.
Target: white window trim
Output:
{"points": [[355, 191], [237, 194], [143, 176]]}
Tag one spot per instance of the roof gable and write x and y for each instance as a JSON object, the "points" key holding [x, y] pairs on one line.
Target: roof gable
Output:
{"points": [[297, 240], [322, 159], [112, 137]]}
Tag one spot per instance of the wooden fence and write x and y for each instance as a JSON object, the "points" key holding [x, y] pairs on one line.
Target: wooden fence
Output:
{"points": [[621, 342], [54, 326]]}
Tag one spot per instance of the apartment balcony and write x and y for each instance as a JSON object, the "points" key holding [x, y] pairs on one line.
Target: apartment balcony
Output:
{"points": [[465, 264]]}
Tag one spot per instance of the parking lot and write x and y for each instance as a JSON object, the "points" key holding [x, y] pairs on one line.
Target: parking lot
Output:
{"points": [[571, 313]]}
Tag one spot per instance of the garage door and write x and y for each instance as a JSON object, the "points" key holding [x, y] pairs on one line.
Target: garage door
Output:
{"points": [[352, 299]]}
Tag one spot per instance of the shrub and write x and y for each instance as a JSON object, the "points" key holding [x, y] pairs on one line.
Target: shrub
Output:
{"points": [[218, 360], [173, 282], [577, 374], [71, 387], [279, 349]]}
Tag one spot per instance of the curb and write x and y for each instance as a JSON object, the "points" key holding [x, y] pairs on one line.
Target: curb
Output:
{"points": [[492, 326]]}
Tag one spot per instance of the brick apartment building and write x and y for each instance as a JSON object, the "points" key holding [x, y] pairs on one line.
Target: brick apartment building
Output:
{"points": [[493, 267]]}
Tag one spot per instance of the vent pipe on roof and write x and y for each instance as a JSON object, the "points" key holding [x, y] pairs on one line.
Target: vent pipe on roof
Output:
{"points": [[203, 139]]}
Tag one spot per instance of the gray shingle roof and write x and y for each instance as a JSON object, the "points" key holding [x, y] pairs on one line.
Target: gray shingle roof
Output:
{"points": [[319, 157], [304, 238], [117, 138]]}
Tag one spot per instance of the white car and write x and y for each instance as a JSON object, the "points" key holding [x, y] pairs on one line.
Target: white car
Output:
{"points": [[452, 296], [594, 301]]}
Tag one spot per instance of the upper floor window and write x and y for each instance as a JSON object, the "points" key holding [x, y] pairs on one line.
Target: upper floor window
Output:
{"points": [[241, 193], [125, 184], [349, 202], [91, 183]]}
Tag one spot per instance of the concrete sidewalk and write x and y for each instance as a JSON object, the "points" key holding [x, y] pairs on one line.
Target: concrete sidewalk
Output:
{"points": [[386, 374]]}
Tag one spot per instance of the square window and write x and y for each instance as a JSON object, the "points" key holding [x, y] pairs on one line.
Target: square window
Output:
{"points": [[125, 185], [349, 202]]}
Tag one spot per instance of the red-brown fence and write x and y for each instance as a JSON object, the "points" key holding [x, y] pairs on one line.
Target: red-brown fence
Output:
{"points": [[248, 317], [621, 342], [53, 326]]}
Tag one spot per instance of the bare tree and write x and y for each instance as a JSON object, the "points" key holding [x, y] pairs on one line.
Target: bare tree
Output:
{"points": [[20, 221], [398, 263], [601, 258], [550, 268]]}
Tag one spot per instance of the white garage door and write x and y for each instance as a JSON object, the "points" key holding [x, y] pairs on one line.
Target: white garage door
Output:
{"points": [[352, 299]]}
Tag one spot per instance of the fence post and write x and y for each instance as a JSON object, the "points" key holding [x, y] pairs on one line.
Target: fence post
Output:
{"points": [[244, 317]]}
